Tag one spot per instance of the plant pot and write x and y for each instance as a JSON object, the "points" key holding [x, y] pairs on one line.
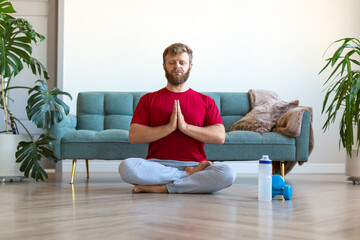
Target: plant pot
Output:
{"points": [[9, 169], [352, 167]]}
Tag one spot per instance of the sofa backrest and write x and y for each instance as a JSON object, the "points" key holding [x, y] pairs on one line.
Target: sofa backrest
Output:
{"points": [[106, 110], [232, 106], [113, 110]]}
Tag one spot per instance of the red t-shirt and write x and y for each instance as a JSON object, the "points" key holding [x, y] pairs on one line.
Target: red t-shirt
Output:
{"points": [[155, 109]]}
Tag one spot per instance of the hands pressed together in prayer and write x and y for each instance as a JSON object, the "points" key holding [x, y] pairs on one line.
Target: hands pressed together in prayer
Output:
{"points": [[210, 134], [177, 120]]}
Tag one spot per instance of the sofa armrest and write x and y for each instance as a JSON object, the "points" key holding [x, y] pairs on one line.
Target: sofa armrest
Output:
{"points": [[68, 124], [302, 141]]}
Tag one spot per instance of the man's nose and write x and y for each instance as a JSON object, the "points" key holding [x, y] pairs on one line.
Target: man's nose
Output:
{"points": [[177, 64]]}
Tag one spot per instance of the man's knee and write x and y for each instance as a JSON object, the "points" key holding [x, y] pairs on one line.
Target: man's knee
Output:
{"points": [[126, 168], [228, 174]]}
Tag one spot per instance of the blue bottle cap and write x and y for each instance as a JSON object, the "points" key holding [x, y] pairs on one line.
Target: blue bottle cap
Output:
{"points": [[265, 159]]}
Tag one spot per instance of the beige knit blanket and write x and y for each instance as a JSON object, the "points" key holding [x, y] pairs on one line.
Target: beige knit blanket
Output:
{"points": [[290, 124]]}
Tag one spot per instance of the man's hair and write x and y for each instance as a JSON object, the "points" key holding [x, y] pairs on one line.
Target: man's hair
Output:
{"points": [[178, 48]]}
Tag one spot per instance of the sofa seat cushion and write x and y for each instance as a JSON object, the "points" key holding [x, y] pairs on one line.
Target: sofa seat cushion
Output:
{"points": [[249, 137], [89, 136], [246, 145], [111, 144]]}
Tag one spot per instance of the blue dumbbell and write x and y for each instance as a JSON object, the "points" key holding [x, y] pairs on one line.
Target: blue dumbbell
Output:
{"points": [[279, 187]]}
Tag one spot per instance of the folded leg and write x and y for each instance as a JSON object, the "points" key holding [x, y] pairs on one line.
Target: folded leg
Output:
{"points": [[213, 178], [140, 171]]}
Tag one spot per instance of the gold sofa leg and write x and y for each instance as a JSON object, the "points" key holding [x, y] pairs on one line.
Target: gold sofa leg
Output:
{"points": [[282, 167], [87, 168], [73, 171]]}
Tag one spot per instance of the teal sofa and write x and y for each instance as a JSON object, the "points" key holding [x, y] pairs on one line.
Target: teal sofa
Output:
{"points": [[100, 131]]}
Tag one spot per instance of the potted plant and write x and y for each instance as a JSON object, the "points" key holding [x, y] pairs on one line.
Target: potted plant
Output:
{"points": [[43, 108], [343, 97]]}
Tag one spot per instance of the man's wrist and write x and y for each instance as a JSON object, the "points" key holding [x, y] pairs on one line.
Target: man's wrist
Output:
{"points": [[169, 128], [185, 128]]}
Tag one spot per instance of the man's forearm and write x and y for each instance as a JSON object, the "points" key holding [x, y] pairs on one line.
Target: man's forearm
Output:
{"points": [[210, 134], [144, 134]]}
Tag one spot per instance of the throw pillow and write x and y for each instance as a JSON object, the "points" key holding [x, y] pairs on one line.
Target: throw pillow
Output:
{"points": [[263, 118], [258, 96]]}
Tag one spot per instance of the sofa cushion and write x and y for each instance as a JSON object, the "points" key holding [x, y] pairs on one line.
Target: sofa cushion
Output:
{"points": [[232, 106], [118, 103], [246, 152], [85, 136], [117, 122], [247, 145], [109, 144], [98, 111], [249, 137], [102, 150], [229, 121]]}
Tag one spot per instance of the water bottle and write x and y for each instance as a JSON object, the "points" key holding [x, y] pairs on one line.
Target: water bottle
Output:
{"points": [[264, 179]]}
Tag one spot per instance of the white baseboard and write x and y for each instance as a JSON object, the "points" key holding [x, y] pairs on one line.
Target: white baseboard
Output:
{"points": [[240, 167]]}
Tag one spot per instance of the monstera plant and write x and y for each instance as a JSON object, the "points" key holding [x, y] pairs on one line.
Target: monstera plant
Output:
{"points": [[343, 92], [44, 108]]}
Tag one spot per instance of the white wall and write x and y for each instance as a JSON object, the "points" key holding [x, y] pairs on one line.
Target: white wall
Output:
{"points": [[277, 45]]}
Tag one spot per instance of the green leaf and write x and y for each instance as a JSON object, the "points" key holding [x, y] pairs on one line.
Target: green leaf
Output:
{"points": [[23, 46], [38, 68], [21, 54], [16, 37], [336, 56], [30, 153], [44, 108], [22, 39], [355, 61], [16, 68], [326, 65], [335, 70], [6, 7]]}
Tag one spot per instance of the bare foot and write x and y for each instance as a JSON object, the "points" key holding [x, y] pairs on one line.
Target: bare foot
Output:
{"points": [[201, 166], [150, 189]]}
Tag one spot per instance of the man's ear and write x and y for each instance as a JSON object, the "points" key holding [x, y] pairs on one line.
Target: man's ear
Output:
{"points": [[164, 66], [190, 66]]}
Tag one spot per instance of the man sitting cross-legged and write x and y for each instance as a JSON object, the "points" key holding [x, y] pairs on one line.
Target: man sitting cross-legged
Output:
{"points": [[176, 121]]}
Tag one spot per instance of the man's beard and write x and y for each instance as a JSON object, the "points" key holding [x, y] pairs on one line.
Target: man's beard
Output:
{"points": [[177, 79]]}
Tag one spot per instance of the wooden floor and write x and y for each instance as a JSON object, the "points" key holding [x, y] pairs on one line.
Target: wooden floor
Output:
{"points": [[323, 207]]}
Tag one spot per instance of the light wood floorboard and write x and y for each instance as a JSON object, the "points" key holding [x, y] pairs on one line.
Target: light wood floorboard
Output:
{"points": [[323, 207]]}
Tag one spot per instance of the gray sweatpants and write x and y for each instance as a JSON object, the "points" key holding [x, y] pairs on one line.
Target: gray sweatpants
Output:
{"points": [[213, 178]]}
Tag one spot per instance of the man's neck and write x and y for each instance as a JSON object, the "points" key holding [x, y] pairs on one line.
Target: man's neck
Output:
{"points": [[177, 88]]}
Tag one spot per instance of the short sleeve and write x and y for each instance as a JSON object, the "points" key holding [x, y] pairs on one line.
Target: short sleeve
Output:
{"points": [[212, 115], [141, 114]]}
